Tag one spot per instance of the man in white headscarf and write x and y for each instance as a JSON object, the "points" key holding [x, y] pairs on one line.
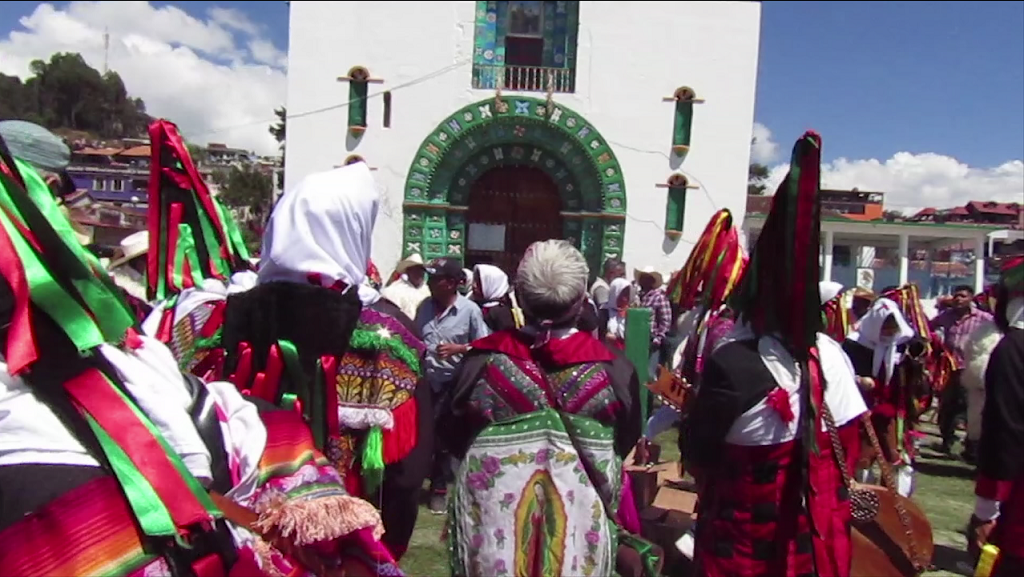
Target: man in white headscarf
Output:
{"points": [[327, 343]]}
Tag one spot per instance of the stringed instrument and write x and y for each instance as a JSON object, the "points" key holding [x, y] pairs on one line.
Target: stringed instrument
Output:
{"points": [[881, 547], [673, 390], [891, 536]]}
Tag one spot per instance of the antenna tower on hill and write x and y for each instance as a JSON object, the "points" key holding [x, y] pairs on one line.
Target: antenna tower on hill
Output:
{"points": [[106, 50]]}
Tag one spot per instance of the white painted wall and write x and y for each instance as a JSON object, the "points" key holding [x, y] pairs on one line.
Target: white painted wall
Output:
{"points": [[630, 56]]}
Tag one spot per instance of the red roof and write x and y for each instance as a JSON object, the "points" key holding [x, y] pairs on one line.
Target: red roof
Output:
{"points": [[1004, 208]]}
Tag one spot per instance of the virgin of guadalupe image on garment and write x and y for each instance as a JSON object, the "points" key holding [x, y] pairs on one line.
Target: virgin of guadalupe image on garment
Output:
{"points": [[540, 527]]}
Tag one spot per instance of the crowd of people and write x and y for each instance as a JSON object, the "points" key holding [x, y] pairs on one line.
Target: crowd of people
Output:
{"points": [[182, 409]]}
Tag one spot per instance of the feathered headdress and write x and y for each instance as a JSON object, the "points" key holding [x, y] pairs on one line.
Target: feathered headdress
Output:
{"points": [[778, 293], [191, 235], [908, 297], [58, 294], [837, 317], [46, 267], [713, 268]]}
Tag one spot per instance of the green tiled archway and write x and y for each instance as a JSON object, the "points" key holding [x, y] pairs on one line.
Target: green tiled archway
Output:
{"points": [[519, 131]]}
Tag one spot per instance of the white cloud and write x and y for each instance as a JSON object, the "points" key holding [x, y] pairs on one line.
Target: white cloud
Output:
{"points": [[216, 78], [763, 150], [910, 181]]}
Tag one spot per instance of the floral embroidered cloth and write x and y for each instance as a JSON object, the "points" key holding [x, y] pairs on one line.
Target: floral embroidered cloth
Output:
{"points": [[524, 505]]}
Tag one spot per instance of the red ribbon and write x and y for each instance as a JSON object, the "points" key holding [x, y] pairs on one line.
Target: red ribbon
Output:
{"points": [[21, 342], [95, 395]]}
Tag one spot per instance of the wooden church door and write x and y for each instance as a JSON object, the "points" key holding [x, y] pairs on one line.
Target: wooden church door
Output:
{"points": [[522, 199]]}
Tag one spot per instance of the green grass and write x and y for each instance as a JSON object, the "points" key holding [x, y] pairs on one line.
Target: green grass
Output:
{"points": [[945, 490]]}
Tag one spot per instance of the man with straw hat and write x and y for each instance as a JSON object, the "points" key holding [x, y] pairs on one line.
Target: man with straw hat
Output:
{"points": [[128, 269], [409, 287], [652, 296]]}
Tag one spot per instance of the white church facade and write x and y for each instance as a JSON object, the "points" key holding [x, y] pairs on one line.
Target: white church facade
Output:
{"points": [[621, 126]]}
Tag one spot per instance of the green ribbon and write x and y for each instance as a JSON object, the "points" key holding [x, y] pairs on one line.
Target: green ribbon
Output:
{"points": [[50, 296], [369, 337], [211, 239], [93, 287], [147, 506], [153, 516], [288, 401], [648, 551], [233, 233], [186, 252], [372, 459]]}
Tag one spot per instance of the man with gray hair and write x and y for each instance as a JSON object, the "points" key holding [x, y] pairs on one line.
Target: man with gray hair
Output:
{"points": [[512, 404]]}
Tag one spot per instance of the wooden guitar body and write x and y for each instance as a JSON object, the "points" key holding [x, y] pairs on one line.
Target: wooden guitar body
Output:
{"points": [[881, 547]]}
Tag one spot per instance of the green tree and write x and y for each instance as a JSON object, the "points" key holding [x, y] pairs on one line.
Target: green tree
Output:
{"points": [[197, 152], [246, 189], [248, 193], [757, 177], [65, 92], [278, 130]]}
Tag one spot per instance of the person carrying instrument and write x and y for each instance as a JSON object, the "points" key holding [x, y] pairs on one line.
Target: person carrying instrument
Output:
{"points": [[877, 350], [760, 437], [999, 509]]}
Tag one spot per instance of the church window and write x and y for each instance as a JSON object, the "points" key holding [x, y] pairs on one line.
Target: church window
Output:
{"points": [[387, 109], [675, 204], [358, 81], [526, 45], [682, 120]]}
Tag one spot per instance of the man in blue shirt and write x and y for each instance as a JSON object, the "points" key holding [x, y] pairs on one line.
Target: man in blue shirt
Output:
{"points": [[449, 322]]}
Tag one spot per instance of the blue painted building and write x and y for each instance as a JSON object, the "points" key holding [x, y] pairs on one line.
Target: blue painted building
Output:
{"points": [[118, 175]]}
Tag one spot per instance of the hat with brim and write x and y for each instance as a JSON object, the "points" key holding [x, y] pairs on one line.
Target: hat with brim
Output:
{"points": [[863, 293], [411, 261], [445, 268], [648, 271], [134, 245]]}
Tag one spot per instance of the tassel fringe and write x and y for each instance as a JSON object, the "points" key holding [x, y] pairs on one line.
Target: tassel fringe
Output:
{"points": [[319, 519]]}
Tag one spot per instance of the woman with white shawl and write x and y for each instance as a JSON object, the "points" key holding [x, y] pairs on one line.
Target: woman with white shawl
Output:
{"points": [[877, 351], [325, 342], [490, 289], [620, 298]]}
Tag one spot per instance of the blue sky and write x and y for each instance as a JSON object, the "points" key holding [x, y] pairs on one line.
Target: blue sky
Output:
{"points": [[943, 77]]}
